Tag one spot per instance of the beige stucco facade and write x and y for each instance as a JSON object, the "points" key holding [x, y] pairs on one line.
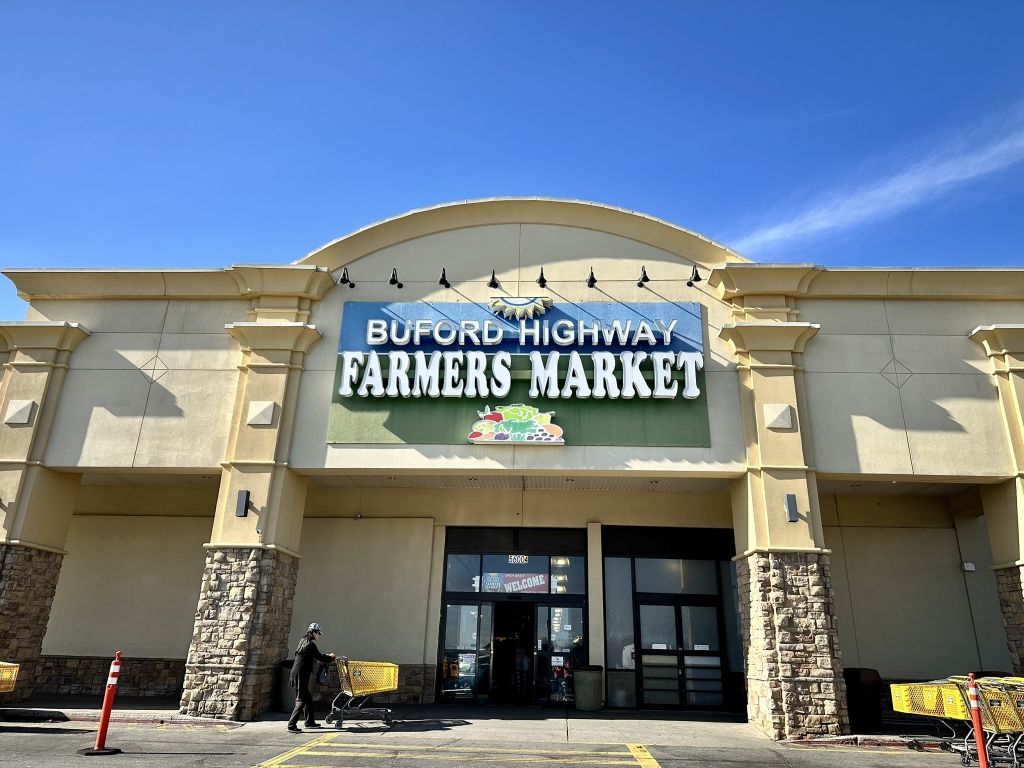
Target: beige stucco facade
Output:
{"points": [[135, 405]]}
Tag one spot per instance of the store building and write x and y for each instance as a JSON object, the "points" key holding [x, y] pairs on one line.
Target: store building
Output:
{"points": [[495, 440]]}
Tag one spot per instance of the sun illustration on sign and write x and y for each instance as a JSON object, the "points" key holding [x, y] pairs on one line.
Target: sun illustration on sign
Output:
{"points": [[516, 423], [516, 308]]}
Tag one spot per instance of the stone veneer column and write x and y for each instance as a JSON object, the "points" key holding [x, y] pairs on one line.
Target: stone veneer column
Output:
{"points": [[794, 669], [1010, 587], [794, 665], [28, 581], [38, 503], [245, 608]]}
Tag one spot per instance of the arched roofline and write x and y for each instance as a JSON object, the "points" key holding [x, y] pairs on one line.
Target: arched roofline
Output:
{"points": [[650, 230]]}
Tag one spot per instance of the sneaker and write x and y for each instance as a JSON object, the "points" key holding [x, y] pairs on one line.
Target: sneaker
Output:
{"points": [[312, 725], [294, 729]]}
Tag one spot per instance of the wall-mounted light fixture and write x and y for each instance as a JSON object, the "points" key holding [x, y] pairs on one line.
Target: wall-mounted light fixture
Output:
{"points": [[542, 281], [242, 504], [444, 279], [345, 279], [394, 279], [591, 281], [694, 277], [792, 515], [643, 278], [493, 282]]}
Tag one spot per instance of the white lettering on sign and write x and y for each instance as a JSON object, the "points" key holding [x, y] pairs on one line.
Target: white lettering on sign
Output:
{"points": [[472, 370], [475, 374], [518, 559], [527, 584]]}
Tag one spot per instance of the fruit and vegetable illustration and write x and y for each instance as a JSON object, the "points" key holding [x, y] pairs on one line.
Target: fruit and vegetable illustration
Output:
{"points": [[516, 423]]}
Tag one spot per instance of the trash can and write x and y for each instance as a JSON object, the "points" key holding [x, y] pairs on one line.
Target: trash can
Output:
{"points": [[864, 699], [285, 692], [589, 683]]}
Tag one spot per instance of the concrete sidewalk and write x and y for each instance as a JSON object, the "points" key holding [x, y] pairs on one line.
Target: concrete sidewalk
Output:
{"points": [[484, 723]]}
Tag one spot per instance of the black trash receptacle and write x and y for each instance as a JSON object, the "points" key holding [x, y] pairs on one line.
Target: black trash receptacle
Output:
{"points": [[864, 699], [285, 693]]}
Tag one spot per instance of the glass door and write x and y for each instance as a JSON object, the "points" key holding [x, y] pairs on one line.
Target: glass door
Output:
{"points": [[466, 657], [659, 656], [561, 648], [680, 660]]}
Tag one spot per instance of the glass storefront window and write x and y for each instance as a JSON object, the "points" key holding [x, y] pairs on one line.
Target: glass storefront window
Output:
{"points": [[700, 627], [618, 595], [676, 577], [458, 675], [462, 573], [514, 573], [658, 627], [568, 576], [460, 627], [566, 629]]}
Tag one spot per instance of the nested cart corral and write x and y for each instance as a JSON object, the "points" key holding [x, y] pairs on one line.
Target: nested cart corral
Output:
{"points": [[360, 682], [1000, 704]]}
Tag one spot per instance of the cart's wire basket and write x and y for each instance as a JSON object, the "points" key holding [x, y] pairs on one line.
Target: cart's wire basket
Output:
{"points": [[8, 676], [366, 678], [938, 698], [1001, 701]]}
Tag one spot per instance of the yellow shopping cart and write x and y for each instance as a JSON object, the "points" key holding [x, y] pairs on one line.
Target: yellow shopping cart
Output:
{"points": [[360, 682], [8, 676]]}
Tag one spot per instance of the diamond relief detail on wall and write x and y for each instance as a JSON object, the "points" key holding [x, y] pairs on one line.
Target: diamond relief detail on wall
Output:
{"points": [[153, 369], [896, 373]]}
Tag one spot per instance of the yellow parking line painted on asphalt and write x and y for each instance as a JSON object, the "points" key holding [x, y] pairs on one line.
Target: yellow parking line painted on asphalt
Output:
{"points": [[443, 748], [280, 760], [643, 757], [462, 758]]}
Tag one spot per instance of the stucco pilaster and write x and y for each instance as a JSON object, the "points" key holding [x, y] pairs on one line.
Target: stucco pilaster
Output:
{"points": [[1004, 503], [245, 606], [793, 662], [36, 503]]}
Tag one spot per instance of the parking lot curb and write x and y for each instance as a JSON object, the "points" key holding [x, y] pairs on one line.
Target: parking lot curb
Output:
{"points": [[28, 715], [886, 742]]}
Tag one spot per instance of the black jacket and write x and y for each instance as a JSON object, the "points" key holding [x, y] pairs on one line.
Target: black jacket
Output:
{"points": [[306, 657]]}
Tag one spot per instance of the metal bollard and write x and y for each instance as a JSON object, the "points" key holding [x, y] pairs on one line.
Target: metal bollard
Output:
{"points": [[101, 748], [979, 732]]}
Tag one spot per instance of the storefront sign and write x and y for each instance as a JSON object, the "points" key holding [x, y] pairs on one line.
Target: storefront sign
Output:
{"points": [[587, 350], [516, 371]]}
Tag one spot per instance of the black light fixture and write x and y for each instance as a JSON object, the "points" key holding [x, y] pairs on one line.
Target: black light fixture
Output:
{"points": [[694, 277], [542, 281], [394, 278], [493, 282], [591, 281], [444, 279], [344, 279], [643, 278], [242, 504]]}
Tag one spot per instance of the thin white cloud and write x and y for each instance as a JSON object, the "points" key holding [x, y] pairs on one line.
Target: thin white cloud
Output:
{"points": [[922, 182]]}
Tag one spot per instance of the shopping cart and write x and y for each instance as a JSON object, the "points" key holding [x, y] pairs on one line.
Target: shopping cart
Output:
{"points": [[8, 676], [360, 682], [1000, 704]]}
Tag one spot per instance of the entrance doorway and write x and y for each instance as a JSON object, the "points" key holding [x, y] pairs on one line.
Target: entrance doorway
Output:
{"points": [[512, 654], [513, 628]]}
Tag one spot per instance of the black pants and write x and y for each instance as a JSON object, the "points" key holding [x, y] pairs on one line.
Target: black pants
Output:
{"points": [[303, 701]]}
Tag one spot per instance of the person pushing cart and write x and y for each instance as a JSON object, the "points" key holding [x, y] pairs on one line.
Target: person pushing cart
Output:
{"points": [[306, 656]]}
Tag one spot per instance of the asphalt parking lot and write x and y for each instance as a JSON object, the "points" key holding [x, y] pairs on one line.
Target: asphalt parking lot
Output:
{"points": [[431, 737]]}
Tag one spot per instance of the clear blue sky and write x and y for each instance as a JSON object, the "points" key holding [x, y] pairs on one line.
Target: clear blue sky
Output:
{"points": [[200, 134]]}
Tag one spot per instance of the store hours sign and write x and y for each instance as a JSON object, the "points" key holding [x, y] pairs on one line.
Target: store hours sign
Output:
{"points": [[423, 361]]}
